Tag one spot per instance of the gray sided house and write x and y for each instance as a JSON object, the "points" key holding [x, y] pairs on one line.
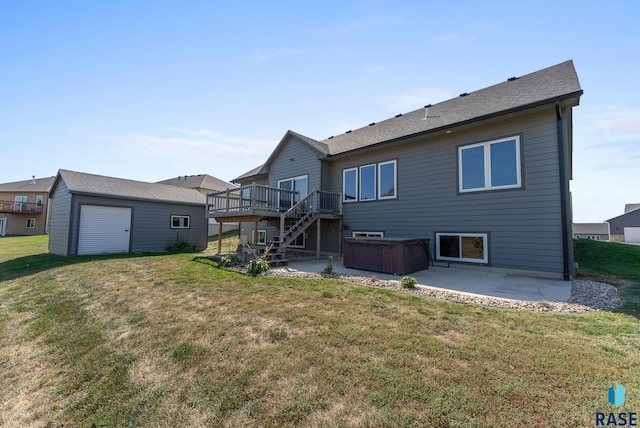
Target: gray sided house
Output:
{"points": [[626, 227], [595, 231], [93, 214], [484, 177]]}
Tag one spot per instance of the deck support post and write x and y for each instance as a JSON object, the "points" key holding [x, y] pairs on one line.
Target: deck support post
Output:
{"points": [[220, 238], [340, 237], [318, 229], [255, 233]]}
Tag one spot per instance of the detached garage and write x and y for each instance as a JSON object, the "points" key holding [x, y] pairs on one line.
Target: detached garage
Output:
{"points": [[93, 214]]}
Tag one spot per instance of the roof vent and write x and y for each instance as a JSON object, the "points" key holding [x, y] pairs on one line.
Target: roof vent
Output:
{"points": [[426, 112], [399, 115], [372, 123], [511, 79], [33, 179], [464, 94], [331, 137], [348, 132]]}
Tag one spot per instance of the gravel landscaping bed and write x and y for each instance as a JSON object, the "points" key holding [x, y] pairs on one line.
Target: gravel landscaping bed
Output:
{"points": [[585, 295]]}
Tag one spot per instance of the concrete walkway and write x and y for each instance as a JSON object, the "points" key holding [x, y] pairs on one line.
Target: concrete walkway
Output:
{"points": [[467, 280]]}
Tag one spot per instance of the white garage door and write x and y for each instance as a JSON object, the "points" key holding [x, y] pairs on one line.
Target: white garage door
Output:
{"points": [[104, 229], [632, 234]]}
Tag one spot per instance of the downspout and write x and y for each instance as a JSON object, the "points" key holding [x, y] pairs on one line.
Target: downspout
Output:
{"points": [[563, 194]]}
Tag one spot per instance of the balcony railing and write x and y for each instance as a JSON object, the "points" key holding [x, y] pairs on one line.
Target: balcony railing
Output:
{"points": [[265, 200], [20, 207]]}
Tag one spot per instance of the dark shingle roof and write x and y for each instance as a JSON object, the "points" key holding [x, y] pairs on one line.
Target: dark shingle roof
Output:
{"points": [[543, 86], [252, 173], [40, 185], [558, 82], [200, 181], [90, 184]]}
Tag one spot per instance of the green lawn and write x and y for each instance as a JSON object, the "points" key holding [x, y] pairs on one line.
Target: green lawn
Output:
{"points": [[616, 263], [169, 340]]}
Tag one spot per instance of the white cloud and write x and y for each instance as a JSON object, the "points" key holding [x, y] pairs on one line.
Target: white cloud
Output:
{"points": [[193, 144]]}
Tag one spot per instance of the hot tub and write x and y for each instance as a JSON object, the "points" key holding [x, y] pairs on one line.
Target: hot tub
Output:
{"points": [[398, 256]]}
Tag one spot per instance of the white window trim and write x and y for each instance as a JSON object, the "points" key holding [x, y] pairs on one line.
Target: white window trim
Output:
{"points": [[181, 217], [487, 165], [375, 182], [39, 200], [395, 180], [366, 234], [344, 194], [485, 244], [27, 223], [263, 242]]}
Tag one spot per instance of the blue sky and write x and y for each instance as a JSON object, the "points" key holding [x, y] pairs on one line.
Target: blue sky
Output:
{"points": [[149, 90]]}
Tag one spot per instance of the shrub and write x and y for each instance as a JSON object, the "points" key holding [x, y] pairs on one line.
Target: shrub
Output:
{"points": [[229, 261], [329, 268], [180, 246], [408, 282], [257, 266]]}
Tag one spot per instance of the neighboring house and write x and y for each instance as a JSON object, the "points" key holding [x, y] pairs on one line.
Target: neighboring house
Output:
{"points": [[626, 227], [204, 184], [93, 214], [595, 231], [484, 176], [24, 207]]}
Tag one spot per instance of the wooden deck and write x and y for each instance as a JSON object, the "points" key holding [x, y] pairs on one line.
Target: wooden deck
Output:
{"points": [[255, 203]]}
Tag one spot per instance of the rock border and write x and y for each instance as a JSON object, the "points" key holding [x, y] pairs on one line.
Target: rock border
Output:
{"points": [[586, 296]]}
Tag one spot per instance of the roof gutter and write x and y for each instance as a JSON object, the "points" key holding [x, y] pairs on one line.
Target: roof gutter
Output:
{"points": [[564, 194]]}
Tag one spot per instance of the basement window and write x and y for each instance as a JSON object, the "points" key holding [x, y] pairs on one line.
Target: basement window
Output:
{"points": [[31, 223], [367, 234], [262, 237], [180, 221], [462, 247]]}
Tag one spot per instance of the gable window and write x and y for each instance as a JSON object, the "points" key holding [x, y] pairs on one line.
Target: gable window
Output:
{"points": [[490, 165], [262, 237], [31, 223], [464, 247], [180, 221], [350, 185], [367, 182], [387, 180]]}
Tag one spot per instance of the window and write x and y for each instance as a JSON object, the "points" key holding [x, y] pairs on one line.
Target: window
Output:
{"points": [[465, 247], [31, 223], [367, 234], [490, 165], [39, 199], [350, 185], [370, 182], [262, 237], [180, 221], [19, 200], [387, 180], [297, 184], [367, 183]]}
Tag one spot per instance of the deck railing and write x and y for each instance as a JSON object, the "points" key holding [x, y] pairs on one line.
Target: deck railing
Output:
{"points": [[20, 207], [252, 197], [256, 197]]}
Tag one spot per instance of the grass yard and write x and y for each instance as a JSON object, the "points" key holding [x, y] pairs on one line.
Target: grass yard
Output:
{"points": [[169, 340], [616, 263]]}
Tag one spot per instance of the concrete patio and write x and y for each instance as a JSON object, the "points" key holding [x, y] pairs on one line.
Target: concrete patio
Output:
{"points": [[476, 281]]}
